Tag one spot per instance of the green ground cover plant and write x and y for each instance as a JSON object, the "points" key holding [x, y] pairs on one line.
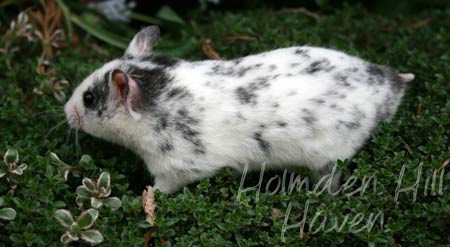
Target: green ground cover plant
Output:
{"points": [[376, 208]]}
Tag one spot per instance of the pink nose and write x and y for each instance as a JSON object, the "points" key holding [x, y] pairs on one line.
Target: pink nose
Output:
{"points": [[76, 113]]}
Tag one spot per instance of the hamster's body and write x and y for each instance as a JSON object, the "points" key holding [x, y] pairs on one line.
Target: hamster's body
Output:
{"points": [[297, 106]]}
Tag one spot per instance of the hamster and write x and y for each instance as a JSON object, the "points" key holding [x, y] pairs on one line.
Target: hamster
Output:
{"points": [[291, 107]]}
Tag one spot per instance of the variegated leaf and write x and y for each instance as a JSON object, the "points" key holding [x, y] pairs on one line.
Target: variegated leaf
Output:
{"points": [[64, 217], [92, 236], [87, 218], [104, 181], [112, 202], [89, 184]]}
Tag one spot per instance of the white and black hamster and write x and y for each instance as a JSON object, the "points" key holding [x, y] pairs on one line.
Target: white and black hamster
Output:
{"points": [[298, 106]]}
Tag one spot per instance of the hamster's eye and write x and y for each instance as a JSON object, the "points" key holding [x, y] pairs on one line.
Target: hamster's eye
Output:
{"points": [[88, 99]]}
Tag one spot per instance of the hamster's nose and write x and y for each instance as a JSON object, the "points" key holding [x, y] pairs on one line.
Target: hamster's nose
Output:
{"points": [[76, 113]]}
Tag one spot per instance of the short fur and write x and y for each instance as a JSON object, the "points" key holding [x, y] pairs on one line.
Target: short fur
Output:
{"points": [[298, 106]]}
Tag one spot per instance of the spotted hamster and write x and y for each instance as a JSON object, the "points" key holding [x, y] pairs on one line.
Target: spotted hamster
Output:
{"points": [[299, 106]]}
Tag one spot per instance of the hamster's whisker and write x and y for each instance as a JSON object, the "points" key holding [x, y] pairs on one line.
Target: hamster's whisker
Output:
{"points": [[52, 112], [67, 137], [77, 143], [55, 127]]}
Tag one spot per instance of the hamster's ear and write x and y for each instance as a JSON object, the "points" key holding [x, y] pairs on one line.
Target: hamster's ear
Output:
{"points": [[127, 91], [143, 41]]}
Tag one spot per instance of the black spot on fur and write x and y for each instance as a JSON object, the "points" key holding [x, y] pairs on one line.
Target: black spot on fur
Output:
{"points": [[195, 170], [317, 66], [244, 96], [336, 107], [395, 81], [342, 80], [348, 124], [232, 70], [128, 57], [281, 124], [293, 65], [240, 116], [177, 92], [237, 61], [247, 94], [308, 116], [186, 124], [375, 70], [160, 60], [275, 105], [166, 146], [272, 67], [263, 144], [376, 74], [243, 70], [261, 82], [318, 101], [100, 90], [357, 116], [292, 92], [163, 60], [303, 52], [162, 121], [151, 83]]}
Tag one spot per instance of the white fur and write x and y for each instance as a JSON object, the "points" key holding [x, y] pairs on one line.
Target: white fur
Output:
{"points": [[229, 140]]}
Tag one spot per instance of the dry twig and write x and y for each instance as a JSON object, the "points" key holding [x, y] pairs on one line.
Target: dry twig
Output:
{"points": [[148, 200], [297, 10], [233, 38], [209, 51], [420, 23]]}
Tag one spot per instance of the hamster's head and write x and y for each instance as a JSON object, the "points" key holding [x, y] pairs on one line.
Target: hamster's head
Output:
{"points": [[108, 102]]}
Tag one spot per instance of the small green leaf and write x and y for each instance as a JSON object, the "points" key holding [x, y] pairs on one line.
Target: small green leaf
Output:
{"points": [[104, 181], [83, 192], [89, 184], [104, 192], [23, 167], [73, 236], [86, 160], [87, 218], [80, 201], [55, 159], [65, 239], [2, 173], [59, 204], [144, 224], [19, 170], [166, 13], [92, 236], [7, 213], [64, 217], [96, 203], [112, 202], [11, 156], [2, 201]]}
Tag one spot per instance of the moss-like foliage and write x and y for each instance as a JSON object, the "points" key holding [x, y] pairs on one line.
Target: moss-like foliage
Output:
{"points": [[208, 213]]}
